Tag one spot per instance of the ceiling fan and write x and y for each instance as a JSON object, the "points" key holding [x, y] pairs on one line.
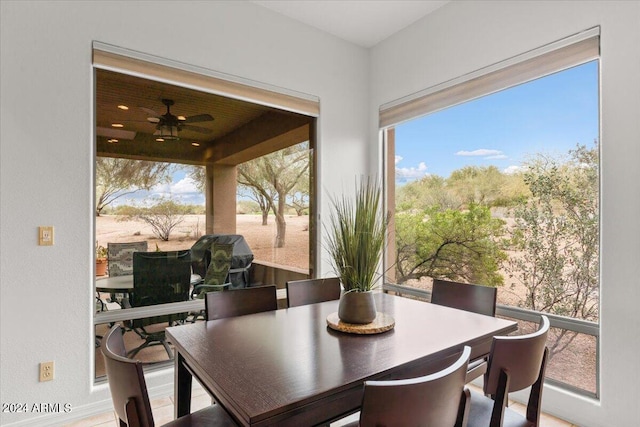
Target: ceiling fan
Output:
{"points": [[168, 125]]}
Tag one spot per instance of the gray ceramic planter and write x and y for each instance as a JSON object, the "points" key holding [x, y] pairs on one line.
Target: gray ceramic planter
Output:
{"points": [[357, 307]]}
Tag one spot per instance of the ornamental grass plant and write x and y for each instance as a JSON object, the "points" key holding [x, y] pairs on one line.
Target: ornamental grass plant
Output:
{"points": [[357, 234]]}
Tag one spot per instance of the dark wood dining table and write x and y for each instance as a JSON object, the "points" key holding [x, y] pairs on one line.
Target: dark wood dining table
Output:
{"points": [[287, 368]]}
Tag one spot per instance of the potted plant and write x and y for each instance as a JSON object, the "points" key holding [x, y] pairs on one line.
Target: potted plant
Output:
{"points": [[101, 260], [356, 237]]}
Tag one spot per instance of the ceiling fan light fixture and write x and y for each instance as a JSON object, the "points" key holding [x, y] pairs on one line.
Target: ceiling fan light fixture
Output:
{"points": [[123, 107], [167, 131], [112, 140], [160, 139], [195, 144], [117, 125]]}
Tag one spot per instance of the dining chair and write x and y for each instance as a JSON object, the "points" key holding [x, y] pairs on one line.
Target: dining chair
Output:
{"points": [[120, 257], [515, 363], [311, 291], [217, 274], [129, 390], [159, 278], [474, 298], [238, 302], [435, 400]]}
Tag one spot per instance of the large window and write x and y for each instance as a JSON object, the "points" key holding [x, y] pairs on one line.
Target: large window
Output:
{"points": [[503, 190], [181, 158]]}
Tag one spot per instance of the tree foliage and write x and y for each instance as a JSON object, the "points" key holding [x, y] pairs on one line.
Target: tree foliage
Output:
{"points": [[116, 178], [274, 177], [163, 217], [458, 245], [555, 238]]}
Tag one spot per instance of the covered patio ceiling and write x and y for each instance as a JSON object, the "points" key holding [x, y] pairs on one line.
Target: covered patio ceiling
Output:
{"points": [[240, 131]]}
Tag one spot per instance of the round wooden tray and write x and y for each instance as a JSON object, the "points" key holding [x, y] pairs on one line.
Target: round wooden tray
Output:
{"points": [[382, 323]]}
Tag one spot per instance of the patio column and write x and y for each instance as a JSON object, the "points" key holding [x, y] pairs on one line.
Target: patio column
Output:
{"points": [[221, 199]]}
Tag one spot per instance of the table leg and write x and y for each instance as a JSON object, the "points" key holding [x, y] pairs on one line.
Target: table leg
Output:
{"points": [[182, 387]]}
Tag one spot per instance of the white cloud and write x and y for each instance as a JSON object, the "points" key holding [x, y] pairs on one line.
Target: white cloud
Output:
{"points": [[398, 159], [512, 169], [479, 152], [411, 174], [496, 157]]}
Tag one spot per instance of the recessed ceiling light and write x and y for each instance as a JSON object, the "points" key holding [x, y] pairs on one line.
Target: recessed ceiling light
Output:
{"points": [[160, 139], [123, 107], [112, 140], [117, 125], [195, 144]]}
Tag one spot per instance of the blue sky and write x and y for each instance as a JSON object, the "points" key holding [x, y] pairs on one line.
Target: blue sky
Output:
{"points": [[549, 115]]}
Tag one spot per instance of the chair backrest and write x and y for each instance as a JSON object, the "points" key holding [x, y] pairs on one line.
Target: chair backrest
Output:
{"points": [[126, 381], [238, 302], [439, 399], [474, 298], [311, 291], [120, 257], [218, 269], [160, 277], [522, 356]]}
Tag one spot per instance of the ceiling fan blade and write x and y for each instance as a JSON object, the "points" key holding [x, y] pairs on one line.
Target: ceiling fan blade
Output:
{"points": [[198, 118], [199, 129], [150, 111]]}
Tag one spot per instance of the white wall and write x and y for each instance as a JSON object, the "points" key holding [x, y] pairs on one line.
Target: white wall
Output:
{"points": [[47, 157], [462, 37]]}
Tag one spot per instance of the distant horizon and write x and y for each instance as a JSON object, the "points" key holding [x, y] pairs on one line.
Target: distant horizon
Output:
{"points": [[548, 115]]}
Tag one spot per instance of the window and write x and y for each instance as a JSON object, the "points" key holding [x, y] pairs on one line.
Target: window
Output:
{"points": [[173, 144], [495, 181]]}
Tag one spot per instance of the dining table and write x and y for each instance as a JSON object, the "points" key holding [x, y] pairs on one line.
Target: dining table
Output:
{"points": [[288, 368]]}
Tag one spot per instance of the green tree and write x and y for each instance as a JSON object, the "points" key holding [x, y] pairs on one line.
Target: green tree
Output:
{"points": [[274, 177], [116, 178], [457, 245], [163, 217], [555, 239]]}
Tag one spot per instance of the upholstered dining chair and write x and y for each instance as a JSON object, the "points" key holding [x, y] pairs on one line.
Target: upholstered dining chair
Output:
{"points": [[238, 302], [311, 291], [474, 298], [129, 390], [515, 363], [435, 400]]}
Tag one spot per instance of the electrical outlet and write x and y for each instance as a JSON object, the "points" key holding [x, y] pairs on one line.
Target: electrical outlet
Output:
{"points": [[45, 236], [46, 371]]}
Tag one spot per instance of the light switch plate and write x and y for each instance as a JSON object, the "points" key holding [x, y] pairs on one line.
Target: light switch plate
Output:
{"points": [[45, 236]]}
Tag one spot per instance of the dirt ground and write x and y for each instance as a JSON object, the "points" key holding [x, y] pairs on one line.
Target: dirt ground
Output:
{"points": [[260, 238]]}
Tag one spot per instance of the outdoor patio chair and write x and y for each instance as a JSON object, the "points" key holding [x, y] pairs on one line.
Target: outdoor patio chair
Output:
{"points": [[238, 302], [311, 291], [515, 363], [217, 274], [435, 400], [129, 390], [120, 257], [159, 278], [474, 298]]}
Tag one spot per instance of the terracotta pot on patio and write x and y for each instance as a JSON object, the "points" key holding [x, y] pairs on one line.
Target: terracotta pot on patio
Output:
{"points": [[101, 266]]}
